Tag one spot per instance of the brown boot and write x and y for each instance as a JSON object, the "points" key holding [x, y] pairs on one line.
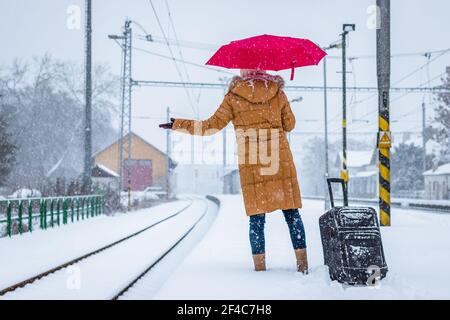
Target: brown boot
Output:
{"points": [[259, 260], [302, 260]]}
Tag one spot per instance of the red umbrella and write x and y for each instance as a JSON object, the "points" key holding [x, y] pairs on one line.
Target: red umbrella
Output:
{"points": [[267, 52]]}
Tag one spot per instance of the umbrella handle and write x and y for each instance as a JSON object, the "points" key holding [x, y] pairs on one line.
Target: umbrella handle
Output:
{"points": [[292, 70]]}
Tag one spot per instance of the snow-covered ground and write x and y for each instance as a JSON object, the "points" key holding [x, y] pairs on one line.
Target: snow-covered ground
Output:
{"points": [[32, 253], [148, 286], [417, 249], [105, 274]]}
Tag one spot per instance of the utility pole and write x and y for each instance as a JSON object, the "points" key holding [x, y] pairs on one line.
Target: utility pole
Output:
{"points": [[168, 156], [224, 80], [125, 114], [224, 149], [344, 172], [346, 28], [88, 100], [424, 141], [424, 119], [192, 149], [384, 134], [296, 99], [325, 114]]}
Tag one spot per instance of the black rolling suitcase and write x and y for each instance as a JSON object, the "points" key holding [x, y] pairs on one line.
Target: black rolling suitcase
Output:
{"points": [[351, 242]]}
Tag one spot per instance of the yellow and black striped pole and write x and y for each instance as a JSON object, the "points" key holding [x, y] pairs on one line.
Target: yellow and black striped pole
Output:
{"points": [[344, 172], [384, 134], [384, 178]]}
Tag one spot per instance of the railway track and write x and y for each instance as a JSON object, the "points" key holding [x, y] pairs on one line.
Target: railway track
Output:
{"points": [[95, 253], [166, 252]]}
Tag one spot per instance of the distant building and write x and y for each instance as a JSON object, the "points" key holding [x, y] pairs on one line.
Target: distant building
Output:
{"points": [[437, 182], [104, 177], [415, 138], [198, 178], [231, 182], [363, 173], [147, 164]]}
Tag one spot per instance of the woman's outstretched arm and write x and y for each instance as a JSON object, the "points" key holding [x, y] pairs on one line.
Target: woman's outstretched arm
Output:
{"points": [[218, 121]]}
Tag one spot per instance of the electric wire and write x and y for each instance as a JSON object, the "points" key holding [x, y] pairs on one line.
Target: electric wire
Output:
{"points": [[181, 61], [180, 52], [197, 45], [183, 43], [441, 53], [173, 57], [403, 95]]}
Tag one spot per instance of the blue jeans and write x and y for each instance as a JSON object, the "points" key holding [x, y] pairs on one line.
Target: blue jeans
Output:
{"points": [[295, 225]]}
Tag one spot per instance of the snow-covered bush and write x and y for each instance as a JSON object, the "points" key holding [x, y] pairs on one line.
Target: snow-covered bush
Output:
{"points": [[26, 193]]}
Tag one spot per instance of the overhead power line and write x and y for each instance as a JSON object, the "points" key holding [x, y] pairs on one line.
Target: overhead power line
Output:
{"points": [[180, 52], [173, 57], [206, 85], [396, 55], [212, 47], [423, 84], [183, 43], [421, 67], [337, 132], [180, 60], [408, 92], [441, 53]]}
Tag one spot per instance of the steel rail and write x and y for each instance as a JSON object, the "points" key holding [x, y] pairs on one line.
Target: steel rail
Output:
{"points": [[142, 274], [73, 261]]}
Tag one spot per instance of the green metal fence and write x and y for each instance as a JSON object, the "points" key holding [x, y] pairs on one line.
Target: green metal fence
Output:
{"points": [[24, 215]]}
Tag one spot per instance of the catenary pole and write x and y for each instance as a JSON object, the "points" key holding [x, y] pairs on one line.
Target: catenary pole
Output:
{"points": [[127, 114], [424, 141], [88, 99], [325, 116], [344, 172], [125, 137], [168, 156], [384, 134], [325, 113]]}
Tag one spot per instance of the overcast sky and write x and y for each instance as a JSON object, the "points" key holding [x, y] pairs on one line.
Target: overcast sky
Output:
{"points": [[30, 28]]}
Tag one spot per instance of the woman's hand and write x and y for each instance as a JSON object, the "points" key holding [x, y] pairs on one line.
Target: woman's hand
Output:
{"points": [[167, 125]]}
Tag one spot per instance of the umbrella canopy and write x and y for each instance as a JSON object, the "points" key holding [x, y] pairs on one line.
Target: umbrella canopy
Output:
{"points": [[268, 52]]}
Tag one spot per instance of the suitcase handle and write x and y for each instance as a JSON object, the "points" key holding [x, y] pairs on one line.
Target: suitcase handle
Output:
{"points": [[344, 190]]}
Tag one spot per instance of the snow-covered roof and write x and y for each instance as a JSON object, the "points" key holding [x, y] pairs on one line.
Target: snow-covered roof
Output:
{"points": [[107, 170], [228, 171], [441, 170], [357, 159], [364, 174]]}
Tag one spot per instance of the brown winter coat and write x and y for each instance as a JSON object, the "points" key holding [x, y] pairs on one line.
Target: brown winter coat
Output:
{"points": [[261, 115]]}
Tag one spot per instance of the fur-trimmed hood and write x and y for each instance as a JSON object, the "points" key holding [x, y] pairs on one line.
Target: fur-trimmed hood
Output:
{"points": [[257, 88]]}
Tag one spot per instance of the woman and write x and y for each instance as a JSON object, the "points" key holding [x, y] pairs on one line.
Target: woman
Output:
{"points": [[261, 115]]}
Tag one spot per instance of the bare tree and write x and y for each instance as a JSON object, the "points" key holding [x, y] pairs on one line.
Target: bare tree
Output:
{"points": [[46, 102], [442, 130]]}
